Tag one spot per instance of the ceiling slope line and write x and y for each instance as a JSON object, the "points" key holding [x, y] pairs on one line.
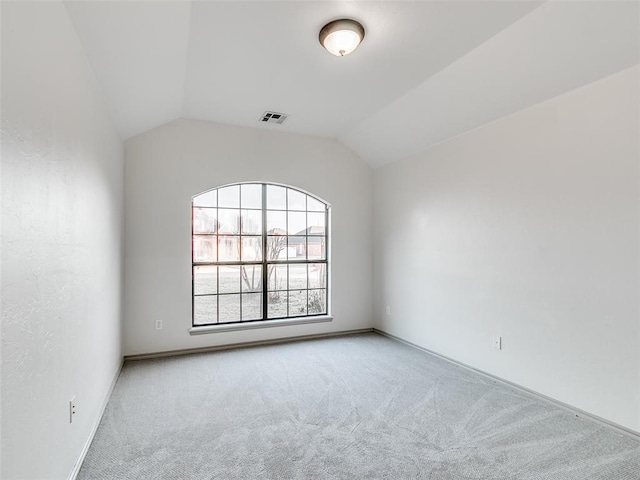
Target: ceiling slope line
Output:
{"points": [[355, 125], [557, 48]]}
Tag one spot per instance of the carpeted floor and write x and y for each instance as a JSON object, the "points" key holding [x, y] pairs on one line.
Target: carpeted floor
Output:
{"points": [[354, 407]]}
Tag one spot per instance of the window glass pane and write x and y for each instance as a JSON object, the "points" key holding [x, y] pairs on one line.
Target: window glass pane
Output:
{"points": [[317, 302], [205, 279], [205, 310], [317, 248], [276, 222], [251, 306], [251, 195], [252, 222], [207, 199], [229, 308], [297, 223], [229, 197], [251, 249], [297, 248], [314, 205], [317, 275], [297, 303], [296, 200], [277, 304], [276, 197], [228, 248], [276, 247], [228, 226], [277, 277], [229, 279], [251, 278], [316, 222], [204, 220], [298, 276], [204, 248], [228, 221]]}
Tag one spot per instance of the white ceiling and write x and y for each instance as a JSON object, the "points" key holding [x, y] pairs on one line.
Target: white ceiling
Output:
{"points": [[426, 71]]}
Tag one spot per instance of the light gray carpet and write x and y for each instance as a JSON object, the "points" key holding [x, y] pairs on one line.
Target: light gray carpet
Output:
{"points": [[361, 406]]}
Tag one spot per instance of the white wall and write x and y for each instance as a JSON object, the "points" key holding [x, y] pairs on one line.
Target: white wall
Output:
{"points": [[167, 165], [62, 168], [525, 228]]}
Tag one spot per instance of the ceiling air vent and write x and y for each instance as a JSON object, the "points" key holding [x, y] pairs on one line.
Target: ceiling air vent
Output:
{"points": [[273, 117]]}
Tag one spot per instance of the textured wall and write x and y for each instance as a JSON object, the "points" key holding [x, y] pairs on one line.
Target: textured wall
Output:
{"points": [[525, 228], [167, 165], [62, 168]]}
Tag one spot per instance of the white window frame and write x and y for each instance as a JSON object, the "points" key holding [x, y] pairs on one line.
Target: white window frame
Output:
{"points": [[265, 262]]}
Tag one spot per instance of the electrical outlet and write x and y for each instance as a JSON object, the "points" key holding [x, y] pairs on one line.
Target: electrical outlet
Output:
{"points": [[388, 310], [497, 343], [72, 409], [158, 324]]}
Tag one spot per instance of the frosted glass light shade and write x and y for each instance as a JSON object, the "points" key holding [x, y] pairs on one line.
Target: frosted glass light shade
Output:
{"points": [[341, 37]]}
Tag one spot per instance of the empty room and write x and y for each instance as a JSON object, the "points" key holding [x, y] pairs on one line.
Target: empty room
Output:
{"points": [[320, 240]]}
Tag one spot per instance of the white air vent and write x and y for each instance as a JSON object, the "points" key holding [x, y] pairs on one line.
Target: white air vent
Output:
{"points": [[273, 117]]}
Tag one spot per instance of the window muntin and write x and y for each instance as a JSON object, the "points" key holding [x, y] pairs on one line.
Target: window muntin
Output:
{"points": [[259, 252]]}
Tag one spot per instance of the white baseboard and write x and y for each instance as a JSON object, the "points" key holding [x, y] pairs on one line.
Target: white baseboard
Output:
{"points": [[565, 406], [87, 444], [230, 346]]}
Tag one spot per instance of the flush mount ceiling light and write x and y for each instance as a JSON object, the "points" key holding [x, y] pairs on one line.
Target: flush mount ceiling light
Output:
{"points": [[341, 37]]}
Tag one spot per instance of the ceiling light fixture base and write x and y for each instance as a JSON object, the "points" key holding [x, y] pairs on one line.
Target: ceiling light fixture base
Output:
{"points": [[341, 37]]}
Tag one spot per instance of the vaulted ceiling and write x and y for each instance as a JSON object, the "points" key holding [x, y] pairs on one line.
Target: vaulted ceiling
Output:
{"points": [[426, 71]]}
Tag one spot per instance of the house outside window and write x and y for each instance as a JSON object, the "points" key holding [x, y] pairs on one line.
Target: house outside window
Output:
{"points": [[259, 252]]}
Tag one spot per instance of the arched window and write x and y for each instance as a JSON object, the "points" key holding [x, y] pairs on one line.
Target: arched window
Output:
{"points": [[259, 252]]}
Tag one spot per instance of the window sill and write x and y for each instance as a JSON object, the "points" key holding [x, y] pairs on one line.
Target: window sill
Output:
{"points": [[261, 324]]}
